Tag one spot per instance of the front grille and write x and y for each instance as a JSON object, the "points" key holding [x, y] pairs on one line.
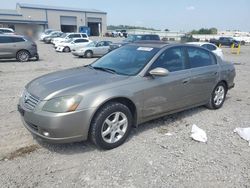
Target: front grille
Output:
{"points": [[30, 101], [32, 126]]}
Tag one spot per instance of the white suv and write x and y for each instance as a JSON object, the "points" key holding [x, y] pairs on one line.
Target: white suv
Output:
{"points": [[7, 31], [67, 36]]}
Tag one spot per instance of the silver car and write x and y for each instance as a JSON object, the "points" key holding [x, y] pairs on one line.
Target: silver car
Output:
{"points": [[93, 49], [19, 47], [128, 86]]}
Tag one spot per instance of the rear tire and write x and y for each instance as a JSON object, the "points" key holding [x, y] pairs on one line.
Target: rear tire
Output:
{"points": [[89, 54], [218, 96], [23, 56], [111, 125]]}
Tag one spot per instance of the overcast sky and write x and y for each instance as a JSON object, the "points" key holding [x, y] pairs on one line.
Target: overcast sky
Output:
{"points": [[161, 14]]}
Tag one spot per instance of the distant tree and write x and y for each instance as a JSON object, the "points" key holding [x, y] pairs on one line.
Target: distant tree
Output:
{"points": [[118, 27], [205, 31], [166, 30]]}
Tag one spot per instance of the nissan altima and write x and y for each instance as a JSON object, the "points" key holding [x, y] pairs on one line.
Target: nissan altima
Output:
{"points": [[128, 86]]}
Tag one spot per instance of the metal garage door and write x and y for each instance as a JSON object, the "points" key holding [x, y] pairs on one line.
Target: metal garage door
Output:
{"points": [[68, 20], [94, 20]]}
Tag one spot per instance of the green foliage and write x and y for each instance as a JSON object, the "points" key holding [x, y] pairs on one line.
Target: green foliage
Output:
{"points": [[119, 27], [205, 31]]}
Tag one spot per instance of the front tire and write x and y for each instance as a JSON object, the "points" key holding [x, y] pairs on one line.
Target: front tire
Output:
{"points": [[218, 96], [66, 49], [23, 56], [111, 125], [89, 54]]}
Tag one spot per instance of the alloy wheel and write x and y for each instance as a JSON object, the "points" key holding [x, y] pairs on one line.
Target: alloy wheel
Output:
{"points": [[114, 127]]}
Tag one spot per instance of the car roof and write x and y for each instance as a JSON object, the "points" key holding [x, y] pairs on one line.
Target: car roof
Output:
{"points": [[199, 43], [4, 35], [161, 44], [150, 43], [9, 29]]}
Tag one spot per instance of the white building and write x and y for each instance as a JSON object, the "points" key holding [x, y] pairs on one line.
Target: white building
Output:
{"points": [[39, 17]]}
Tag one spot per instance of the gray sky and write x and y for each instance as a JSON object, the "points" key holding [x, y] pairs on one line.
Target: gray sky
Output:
{"points": [[161, 14]]}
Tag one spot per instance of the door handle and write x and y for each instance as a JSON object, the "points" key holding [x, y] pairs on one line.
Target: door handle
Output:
{"points": [[186, 81]]}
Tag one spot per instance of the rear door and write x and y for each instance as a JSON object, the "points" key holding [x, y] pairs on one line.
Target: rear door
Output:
{"points": [[8, 47], [204, 73]]}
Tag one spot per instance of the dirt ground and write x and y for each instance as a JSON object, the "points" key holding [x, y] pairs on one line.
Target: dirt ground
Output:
{"points": [[149, 158]]}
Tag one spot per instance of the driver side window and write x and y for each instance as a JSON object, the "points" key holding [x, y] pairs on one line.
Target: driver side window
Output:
{"points": [[172, 59]]}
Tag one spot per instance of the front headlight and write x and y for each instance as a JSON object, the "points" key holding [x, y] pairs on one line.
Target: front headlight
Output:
{"points": [[62, 104]]}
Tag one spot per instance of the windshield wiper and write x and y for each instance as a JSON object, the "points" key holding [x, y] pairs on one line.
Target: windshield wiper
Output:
{"points": [[105, 69], [89, 66]]}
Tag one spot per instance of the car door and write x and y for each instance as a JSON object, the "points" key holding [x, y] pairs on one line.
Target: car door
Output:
{"points": [[7, 46], [100, 48], [80, 43], [171, 92], [204, 73]]}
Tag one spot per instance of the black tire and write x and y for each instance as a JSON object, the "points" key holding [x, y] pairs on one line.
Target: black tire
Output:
{"points": [[89, 54], [36, 57], [212, 104], [98, 123], [23, 56], [66, 49]]}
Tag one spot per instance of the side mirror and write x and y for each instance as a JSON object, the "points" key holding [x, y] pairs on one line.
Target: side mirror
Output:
{"points": [[159, 72]]}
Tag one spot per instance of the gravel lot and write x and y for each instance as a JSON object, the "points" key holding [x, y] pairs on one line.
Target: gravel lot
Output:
{"points": [[149, 158]]}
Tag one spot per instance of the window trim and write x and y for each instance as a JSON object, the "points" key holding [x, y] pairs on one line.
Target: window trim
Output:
{"points": [[171, 72], [211, 55]]}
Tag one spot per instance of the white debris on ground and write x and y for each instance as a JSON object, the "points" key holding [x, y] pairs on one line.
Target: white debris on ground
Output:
{"points": [[198, 134], [168, 134], [243, 133]]}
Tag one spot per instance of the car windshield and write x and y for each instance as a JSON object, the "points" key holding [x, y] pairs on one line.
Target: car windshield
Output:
{"points": [[69, 40], [132, 38], [63, 35], [48, 32], [92, 44], [128, 60]]}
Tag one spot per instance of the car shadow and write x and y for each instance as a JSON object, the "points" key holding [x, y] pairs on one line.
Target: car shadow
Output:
{"points": [[15, 61], [177, 118], [68, 148]]}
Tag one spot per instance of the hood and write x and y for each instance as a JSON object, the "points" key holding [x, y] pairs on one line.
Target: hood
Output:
{"points": [[70, 81]]}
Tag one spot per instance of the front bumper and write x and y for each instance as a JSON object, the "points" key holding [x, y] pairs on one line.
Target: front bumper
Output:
{"points": [[57, 127]]}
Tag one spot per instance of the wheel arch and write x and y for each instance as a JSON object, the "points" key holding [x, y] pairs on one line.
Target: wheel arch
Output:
{"points": [[224, 82], [22, 50], [123, 100]]}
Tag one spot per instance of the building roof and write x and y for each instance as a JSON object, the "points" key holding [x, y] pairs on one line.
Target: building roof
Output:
{"points": [[36, 6], [9, 12]]}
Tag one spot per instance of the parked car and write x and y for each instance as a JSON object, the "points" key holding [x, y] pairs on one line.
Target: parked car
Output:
{"points": [[134, 38], [72, 43], [46, 33], [52, 35], [67, 36], [124, 88], [212, 47], [225, 41], [93, 49], [19, 47], [7, 31]]}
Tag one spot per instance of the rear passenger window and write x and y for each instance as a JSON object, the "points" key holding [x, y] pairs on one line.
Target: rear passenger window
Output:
{"points": [[172, 60], [81, 40], [209, 47], [199, 57], [17, 39], [5, 40]]}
